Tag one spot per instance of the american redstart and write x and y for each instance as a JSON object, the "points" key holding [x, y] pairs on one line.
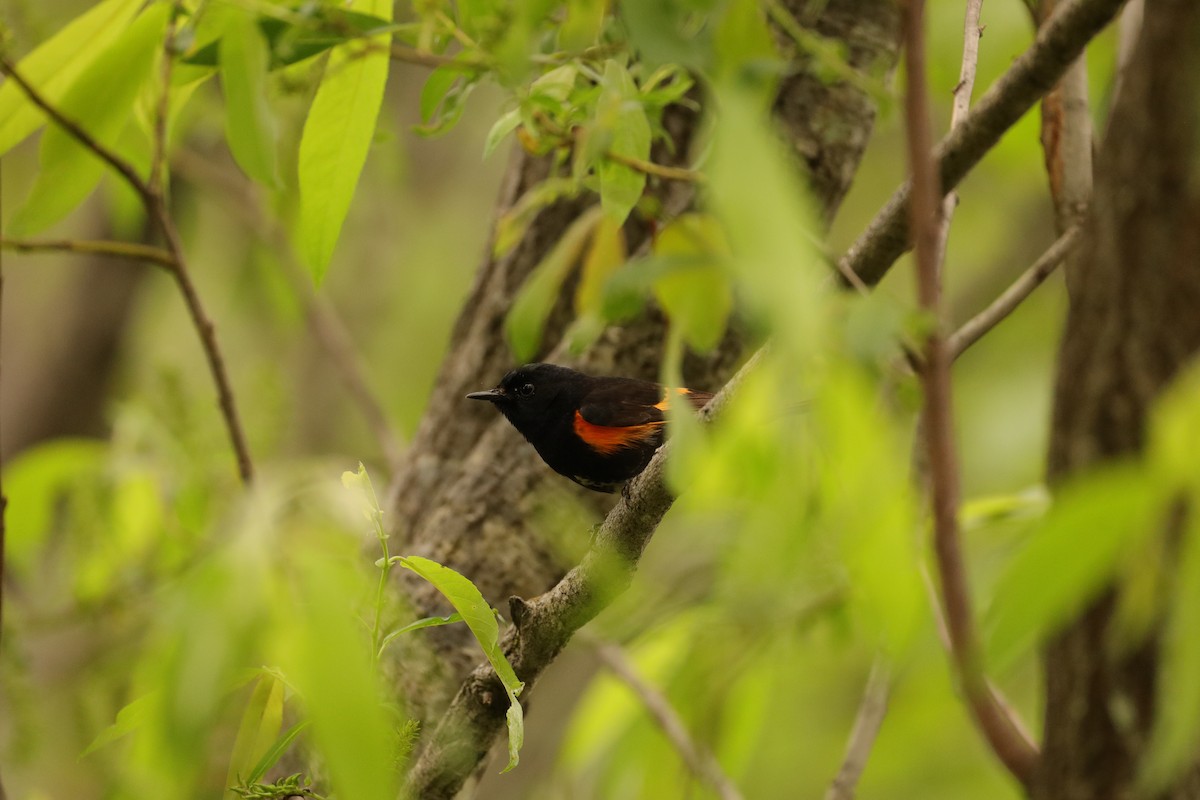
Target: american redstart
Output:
{"points": [[597, 431]]}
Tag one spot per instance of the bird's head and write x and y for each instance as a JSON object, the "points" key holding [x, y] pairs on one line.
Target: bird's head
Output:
{"points": [[527, 394]]}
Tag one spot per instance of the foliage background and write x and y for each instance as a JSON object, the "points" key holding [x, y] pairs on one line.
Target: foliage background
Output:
{"points": [[416, 231]]}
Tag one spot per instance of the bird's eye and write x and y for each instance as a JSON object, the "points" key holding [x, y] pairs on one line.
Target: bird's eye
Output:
{"points": [[525, 391]]}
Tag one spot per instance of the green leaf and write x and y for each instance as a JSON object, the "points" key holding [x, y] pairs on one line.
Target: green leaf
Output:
{"points": [[289, 43], [503, 127], [743, 45], [584, 22], [700, 299], [336, 138], [276, 751], [101, 101], [1068, 557], [1175, 432], [479, 617], [249, 123], [131, 717], [425, 622], [443, 99], [528, 314], [260, 726], [56, 64], [513, 223], [1177, 724], [605, 255], [621, 122]]}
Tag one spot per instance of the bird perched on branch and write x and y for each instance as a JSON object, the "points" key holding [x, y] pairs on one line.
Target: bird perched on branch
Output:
{"points": [[597, 431]]}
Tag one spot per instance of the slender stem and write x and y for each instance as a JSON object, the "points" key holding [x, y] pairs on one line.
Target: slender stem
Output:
{"points": [[973, 329], [130, 250], [156, 182], [659, 170], [157, 211], [698, 759], [1001, 733], [871, 711]]}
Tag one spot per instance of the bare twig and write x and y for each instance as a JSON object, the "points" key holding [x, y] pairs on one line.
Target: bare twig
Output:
{"points": [[156, 181], [130, 250], [699, 760], [962, 101], [871, 711], [1059, 42], [156, 210], [998, 728], [974, 328], [658, 170]]}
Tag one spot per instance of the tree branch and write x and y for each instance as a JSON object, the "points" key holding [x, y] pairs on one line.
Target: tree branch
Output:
{"points": [[1001, 733], [973, 329], [1033, 74], [156, 210], [698, 759], [871, 711], [91, 247]]}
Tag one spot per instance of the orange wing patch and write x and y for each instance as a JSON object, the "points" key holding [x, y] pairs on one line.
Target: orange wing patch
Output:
{"points": [[666, 401], [606, 439]]}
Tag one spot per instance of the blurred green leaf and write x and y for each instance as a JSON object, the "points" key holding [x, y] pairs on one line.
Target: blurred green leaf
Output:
{"points": [[1070, 555], [528, 314], [1176, 731], [700, 299], [36, 482], [443, 99], [507, 123], [513, 223], [744, 46], [581, 28], [621, 123], [57, 63], [261, 722], [979, 511], [1174, 434], [276, 751], [289, 43], [480, 618], [337, 136], [249, 122], [604, 256], [101, 101], [131, 717]]}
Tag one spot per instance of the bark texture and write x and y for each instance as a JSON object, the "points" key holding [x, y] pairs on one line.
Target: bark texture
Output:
{"points": [[472, 489], [1133, 324]]}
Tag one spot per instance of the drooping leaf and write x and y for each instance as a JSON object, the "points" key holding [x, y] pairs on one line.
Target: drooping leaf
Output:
{"points": [[527, 317], [56, 64], [443, 99], [249, 122], [290, 43], [276, 751], [499, 131], [101, 101], [480, 618], [336, 138], [1068, 557]]}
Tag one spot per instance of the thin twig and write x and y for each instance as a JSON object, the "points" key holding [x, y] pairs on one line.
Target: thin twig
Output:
{"points": [[156, 210], [974, 328], [699, 760], [659, 170], [871, 711], [424, 58], [1003, 736], [92, 247], [972, 32], [323, 318], [156, 182]]}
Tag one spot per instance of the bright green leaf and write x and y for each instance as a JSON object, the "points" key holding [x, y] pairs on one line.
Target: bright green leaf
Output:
{"points": [[1068, 557], [101, 101], [336, 138], [513, 223], [55, 65], [528, 314], [131, 717], [503, 127], [249, 123], [584, 22], [261, 722], [276, 751], [605, 255]]}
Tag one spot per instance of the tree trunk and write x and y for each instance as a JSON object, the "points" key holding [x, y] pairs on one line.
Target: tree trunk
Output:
{"points": [[472, 490], [1133, 324]]}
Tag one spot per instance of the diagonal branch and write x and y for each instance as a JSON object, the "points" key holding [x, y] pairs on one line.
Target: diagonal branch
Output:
{"points": [[973, 329], [1058, 44], [871, 711], [156, 210], [698, 759]]}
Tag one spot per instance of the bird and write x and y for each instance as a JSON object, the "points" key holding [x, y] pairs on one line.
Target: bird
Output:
{"points": [[599, 431]]}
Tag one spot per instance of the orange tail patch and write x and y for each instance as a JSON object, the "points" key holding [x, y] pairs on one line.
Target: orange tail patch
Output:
{"points": [[606, 440]]}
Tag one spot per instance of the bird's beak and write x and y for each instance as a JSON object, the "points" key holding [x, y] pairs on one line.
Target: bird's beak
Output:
{"points": [[491, 395]]}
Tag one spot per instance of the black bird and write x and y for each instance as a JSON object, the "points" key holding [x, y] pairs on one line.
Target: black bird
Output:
{"points": [[597, 431]]}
